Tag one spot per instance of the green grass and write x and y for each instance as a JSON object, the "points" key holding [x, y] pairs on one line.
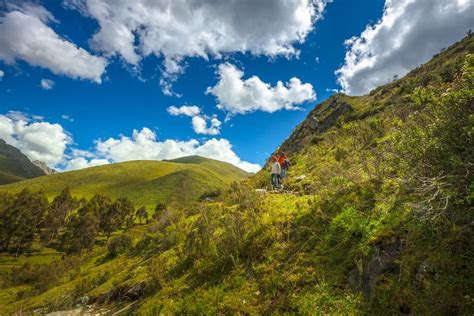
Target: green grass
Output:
{"points": [[143, 182], [43, 255]]}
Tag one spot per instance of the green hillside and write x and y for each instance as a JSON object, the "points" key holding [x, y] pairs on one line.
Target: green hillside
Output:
{"points": [[376, 218], [143, 182], [14, 166]]}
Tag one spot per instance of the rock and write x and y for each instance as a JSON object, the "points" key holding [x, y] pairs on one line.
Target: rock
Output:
{"points": [[135, 292], [425, 272], [47, 170], [121, 293], [322, 118], [300, 177], [382, 261], [82, 301]]}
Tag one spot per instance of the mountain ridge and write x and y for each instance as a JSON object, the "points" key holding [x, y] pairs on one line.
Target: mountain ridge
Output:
{"points": [[143, 181], [345, 108], [15, 166]]}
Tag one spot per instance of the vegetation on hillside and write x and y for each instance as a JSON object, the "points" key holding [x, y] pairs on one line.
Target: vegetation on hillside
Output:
{"points": [[143, 182], [67, 224], [381, 222]]}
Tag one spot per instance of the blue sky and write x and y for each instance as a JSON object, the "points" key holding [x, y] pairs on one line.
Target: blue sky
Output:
{"points": [[131, 97]]}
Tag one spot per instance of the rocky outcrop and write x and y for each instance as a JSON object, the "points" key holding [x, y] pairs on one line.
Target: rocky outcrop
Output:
{"points": [[322, 118], [44, 167], [384, 260]]}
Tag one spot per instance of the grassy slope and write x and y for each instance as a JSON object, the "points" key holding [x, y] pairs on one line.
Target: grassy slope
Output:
{"points": [[295, 253], [144, 182]]}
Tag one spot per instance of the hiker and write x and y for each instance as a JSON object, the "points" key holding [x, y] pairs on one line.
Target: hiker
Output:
{"points": [[284, 163], [275, 173]]}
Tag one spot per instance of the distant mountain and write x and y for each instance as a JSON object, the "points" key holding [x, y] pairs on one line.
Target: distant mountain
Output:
{"points": [[44, 167], [15, 166], [144, 182]]}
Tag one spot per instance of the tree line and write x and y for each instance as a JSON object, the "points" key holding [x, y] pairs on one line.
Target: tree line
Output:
{"points": [[66, 222]]}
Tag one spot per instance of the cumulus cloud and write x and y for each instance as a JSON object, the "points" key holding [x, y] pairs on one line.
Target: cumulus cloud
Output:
{"points": [[200, 125], [50, 143], [143, 144], [199, 121], [408, 34], [240, 96], [25, 35], [47, 84], [187, 110], [82, 162], [175, 30], [37, 140]]}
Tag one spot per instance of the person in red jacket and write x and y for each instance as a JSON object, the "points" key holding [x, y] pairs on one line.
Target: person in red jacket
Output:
{"points": [[284, 163]]}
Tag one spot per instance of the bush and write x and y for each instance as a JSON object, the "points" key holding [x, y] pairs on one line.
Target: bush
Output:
{"points": [[119, 244]]}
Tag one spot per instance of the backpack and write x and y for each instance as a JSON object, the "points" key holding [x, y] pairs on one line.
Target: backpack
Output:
{"points": [[286, 164]]}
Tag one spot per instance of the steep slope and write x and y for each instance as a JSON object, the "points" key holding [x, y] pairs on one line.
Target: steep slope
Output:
{"points": [[15, 166], [340, 108], [391, 175], [47, 170], [144, 182]]}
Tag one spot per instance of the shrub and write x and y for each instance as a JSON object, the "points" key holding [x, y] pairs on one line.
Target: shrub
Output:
{"points": [[119, 244], [210, 195]]}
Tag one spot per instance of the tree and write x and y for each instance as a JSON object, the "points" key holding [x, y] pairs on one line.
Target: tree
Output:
{"points": [[142, 214], [160, 208], [126, 213], [61, 207], [81, 230], [114, 216], [20, 219]]}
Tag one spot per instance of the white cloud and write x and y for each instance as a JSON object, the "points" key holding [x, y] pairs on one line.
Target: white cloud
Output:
{"points": [[240, 96], [187, 110], [37, 140], [51, 144], [82, 162], [179, 29], [25, 35], [47, 84], [408, 34], [144, 145], [67, 118], [2, 74], [199, 122], [200, 125]]}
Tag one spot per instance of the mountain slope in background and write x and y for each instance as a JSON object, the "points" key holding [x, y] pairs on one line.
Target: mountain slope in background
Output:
{"points": [[47, 170], [15, 166], [144, 182]]}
